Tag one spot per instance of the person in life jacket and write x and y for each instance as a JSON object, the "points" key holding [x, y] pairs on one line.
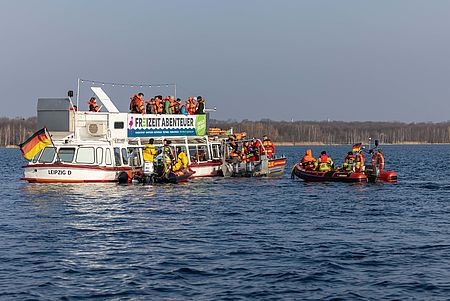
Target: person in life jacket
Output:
{"points": [[159, 104], [176, 106], [378, 159], [257, 147], [168, 156], [268, 146], [182, 160], [149, 151], [167, 106], [149, 154], [349, 162], [191, 105], [234, 148], [172, 103], [308, 160], [93, 106], [251, 152], [168, 149], [244, 151], [137, 103], [324, 163], [150, 107], [200, 106], [359, 162]]}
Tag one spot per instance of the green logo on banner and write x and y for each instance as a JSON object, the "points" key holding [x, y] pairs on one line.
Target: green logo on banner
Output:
{"points": [[200, 125]]}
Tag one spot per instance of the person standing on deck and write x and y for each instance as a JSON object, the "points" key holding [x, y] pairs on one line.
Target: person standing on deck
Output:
{"points": [[268, 146], [149, 155]]}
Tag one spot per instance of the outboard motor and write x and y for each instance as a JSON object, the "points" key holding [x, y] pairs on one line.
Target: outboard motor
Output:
{"points": [[123, 178], [372, 172]]}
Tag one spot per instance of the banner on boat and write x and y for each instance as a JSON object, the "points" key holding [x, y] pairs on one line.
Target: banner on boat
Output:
{"points": [[149, 125]]}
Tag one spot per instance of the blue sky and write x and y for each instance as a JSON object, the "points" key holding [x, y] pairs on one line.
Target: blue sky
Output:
{"points": [[304, 60]]}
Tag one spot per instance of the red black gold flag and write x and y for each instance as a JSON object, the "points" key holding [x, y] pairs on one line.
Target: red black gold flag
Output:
{"points": [[356, 147], [35, 143]]}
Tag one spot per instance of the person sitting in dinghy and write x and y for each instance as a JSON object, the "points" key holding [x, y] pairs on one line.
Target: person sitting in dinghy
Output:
{"points": [[324, 163], [349, 162], [308, 160]]}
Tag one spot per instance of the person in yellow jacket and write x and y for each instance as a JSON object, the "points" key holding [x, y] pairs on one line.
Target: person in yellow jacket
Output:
{"points": [[149, 153], [182, 160], [324, 163]]}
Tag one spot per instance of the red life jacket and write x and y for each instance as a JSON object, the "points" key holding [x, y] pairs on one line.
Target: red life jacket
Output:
{"points": [[323, 158]]}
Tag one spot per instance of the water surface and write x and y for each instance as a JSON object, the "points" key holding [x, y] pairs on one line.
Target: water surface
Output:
{"points": [[231, 239]]}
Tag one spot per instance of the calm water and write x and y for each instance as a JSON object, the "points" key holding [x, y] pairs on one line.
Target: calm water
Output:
{"points": [[231, 239]]}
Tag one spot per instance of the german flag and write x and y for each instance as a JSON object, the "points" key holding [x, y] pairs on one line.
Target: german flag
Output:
{"points": [[356, 147], [35, 143]]}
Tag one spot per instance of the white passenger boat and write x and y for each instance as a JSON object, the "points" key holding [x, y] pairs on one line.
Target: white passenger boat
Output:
{"points": [[98, 146]]}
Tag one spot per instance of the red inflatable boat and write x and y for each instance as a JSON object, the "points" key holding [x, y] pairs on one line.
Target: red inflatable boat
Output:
{"points": [[327, 176]]}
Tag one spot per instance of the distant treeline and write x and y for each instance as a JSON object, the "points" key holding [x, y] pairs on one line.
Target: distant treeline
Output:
{"points": [[16, 130], [339, 132]]}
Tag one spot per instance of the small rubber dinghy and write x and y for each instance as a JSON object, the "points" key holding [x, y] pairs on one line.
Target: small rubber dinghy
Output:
{"points": [[327, 176], [374, 174], [144, 178]]}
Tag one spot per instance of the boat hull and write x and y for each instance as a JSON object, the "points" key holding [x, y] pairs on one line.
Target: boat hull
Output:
{"points": [[269, 168], [327, 176], [206, 169], [374, 174], [68, 173]]}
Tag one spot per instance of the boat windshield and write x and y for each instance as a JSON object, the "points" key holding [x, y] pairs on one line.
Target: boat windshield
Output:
{"points": [[48, 154]]}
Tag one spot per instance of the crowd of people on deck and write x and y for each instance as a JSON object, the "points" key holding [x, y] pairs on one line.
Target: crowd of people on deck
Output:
{"points": [[159, 105], [167, 105], [251, 149], [353, 162]]}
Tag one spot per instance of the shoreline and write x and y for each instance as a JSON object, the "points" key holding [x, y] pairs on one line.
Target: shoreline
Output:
{"points": [[312, 144]]}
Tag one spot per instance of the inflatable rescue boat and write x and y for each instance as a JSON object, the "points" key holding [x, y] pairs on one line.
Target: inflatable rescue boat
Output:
{"points": [[327, 176]]}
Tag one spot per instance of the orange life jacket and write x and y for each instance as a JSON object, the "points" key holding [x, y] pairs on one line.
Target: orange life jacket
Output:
{"points": [[192, 107], [159, 106], [137, 104], [308, 160], [360, 159], [269, 147]]}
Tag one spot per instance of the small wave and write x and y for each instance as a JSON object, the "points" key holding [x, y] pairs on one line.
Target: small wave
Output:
{"points": [[191, 271]]}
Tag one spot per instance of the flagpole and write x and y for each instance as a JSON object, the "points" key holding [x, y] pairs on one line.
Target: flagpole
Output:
{"points": [[54, 146]]}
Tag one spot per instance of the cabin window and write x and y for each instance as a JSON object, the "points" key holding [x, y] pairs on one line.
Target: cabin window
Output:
{"points": [[135, 158], [215, 151], [193, 153], [203, 153], [118, 125], [108, 157], [99, 155], [66, 154], [36, 158], [86, 155], [48, 154], [124, 156], [117, 156]]}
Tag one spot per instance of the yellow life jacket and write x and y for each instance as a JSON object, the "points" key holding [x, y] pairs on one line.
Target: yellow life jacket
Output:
{"points": [[149, 153], [184, 159]]}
